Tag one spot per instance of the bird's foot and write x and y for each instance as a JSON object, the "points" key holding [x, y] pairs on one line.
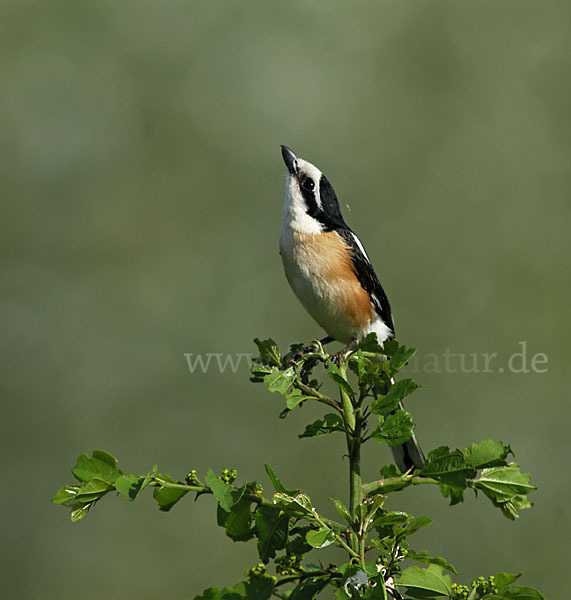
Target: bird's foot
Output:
{"points": [[315, 347], [336, 358]]}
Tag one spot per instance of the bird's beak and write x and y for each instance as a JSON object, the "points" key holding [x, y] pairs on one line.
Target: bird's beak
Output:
{"points": [[290, 160]]}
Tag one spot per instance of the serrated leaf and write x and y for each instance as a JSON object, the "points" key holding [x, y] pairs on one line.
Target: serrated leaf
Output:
{"points": [[431, 580], [320, 538], [335, 374], [395, 429], [388, 402], [226, 495], [486, 454], [280, 380], [331, 422], [269, 352], [272, 527], [101, 465]]}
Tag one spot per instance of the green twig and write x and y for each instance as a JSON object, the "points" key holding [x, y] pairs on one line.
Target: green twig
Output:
{"points": [[395, 484]]}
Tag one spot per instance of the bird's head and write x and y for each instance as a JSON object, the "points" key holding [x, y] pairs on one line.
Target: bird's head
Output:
{"points": [[311, 203]]}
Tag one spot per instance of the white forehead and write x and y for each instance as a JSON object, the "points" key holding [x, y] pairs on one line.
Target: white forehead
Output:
{"points": [[308, 169]]}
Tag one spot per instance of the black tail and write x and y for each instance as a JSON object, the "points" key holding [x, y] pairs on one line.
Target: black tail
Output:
{"points": [[409, 455]]}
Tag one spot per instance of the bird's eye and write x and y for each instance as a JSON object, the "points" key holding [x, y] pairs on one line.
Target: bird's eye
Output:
{"points": [[308, 185]]}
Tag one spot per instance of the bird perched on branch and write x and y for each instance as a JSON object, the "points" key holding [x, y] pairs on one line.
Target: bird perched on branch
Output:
{"points": [[330, 272]]}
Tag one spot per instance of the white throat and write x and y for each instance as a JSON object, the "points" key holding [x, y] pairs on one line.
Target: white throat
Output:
{"points": [[294, 214]]}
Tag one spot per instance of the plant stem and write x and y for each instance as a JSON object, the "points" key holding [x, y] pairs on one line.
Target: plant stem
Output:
{"points": [[395, 484], [353, 435]]}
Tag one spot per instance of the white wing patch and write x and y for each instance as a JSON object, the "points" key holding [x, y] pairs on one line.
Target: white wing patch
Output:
{"points": [[360, 246]]}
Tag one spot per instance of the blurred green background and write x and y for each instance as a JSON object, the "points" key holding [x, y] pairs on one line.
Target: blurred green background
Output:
{"points": [[142, 187]]}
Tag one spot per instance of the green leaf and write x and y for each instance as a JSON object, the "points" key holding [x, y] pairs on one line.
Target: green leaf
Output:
{"points": [[93, 490], [226, 494], [395, 429], [320, 538], [505, 481], [389, 472], [370, 344], [308, 589], [506, 487], [368, 371], [503, 579], [269, 352], [278, 485], [342, 510], [258, 588], [518, 592], [216, 594], [280, 380], [258, 372], [416, 524], [66, 495], [448, 467], [132, 486], [486, 454], [272, 528], [294, 504], [422, 557], [338, 378], [295, 397], [388, 402], [101, 465], [298, 545], [79, 513], [237, 522], [81, 498], [392, 518], [166, 496], [331, 422], [399, 356], [429, 582], [354, 578]]}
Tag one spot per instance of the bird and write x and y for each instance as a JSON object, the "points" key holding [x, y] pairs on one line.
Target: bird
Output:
{"points": [[329, 271]]}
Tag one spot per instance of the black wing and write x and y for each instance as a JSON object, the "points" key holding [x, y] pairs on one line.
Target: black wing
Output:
{"points": [[367, 277]]}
